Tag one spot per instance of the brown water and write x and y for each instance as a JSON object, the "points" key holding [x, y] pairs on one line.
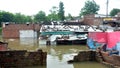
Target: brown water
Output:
{"points": [[57, 56]]}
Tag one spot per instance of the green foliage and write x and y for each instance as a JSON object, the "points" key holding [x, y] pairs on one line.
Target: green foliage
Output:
{"points": [[90, 8], [114, 11], [20, 18], [54, 10], [53, 16], [69, 17], [10, 17], [29, 18], [0, 30], [6, 16], [61, 11], [40, 16], [0, 17]]}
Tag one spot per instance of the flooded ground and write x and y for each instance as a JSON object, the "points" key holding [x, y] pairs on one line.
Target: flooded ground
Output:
{"points": [[57, 56]]}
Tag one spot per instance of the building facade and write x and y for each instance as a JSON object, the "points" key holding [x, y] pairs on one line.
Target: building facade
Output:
{"points": [[20, 30]]}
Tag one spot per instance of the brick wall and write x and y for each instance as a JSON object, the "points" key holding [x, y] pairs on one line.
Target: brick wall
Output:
{"points": [[92, 20], [98, 21], [12, 30], [22, 58], [89, 19], [10, 33]]}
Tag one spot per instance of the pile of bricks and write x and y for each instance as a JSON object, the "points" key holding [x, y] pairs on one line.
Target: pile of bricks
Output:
{"points": [[22, 58]]}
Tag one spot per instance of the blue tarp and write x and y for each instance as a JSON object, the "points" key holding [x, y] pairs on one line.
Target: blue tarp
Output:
{"points": [[90, 44], [117, 47]]}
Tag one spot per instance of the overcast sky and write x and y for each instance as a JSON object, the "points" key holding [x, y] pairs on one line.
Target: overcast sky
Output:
{"points": [[31, 7]]}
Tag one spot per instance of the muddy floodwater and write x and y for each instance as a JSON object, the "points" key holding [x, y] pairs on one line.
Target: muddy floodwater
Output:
{"points": [[57, 55]]}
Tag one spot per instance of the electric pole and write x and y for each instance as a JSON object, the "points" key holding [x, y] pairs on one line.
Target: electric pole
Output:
{"points": [[107, 8]]}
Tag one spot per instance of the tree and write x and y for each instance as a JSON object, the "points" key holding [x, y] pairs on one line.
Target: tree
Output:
{"points": [[6, 16], [61, 11], [69, 17], [114, 11], [0, 16], [53, 16], [29, 19], [40, 16], [90, 8], [20, 18]]}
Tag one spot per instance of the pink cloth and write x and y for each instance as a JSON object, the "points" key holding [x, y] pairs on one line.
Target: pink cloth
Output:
{"points": [[110, 38], [101, 37], [113, 38], [92, 35], [98, 36]]}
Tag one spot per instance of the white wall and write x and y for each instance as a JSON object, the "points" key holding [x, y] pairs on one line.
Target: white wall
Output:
{"points": [[28, 34]]}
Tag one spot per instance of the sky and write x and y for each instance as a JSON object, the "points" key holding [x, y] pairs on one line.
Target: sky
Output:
{"points": [[32, 7]]}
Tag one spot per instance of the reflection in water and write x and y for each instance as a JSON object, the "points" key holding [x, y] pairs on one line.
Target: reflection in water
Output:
{"points": [[28, 41], [60, 56], [53, 62], [88, 65], [57, 56], [52, 52]]}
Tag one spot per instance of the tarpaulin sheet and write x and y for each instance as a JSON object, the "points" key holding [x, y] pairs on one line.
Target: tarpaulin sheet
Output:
{"points": [[92, 35], [100, 37], [90, 43], [112, 38]]}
